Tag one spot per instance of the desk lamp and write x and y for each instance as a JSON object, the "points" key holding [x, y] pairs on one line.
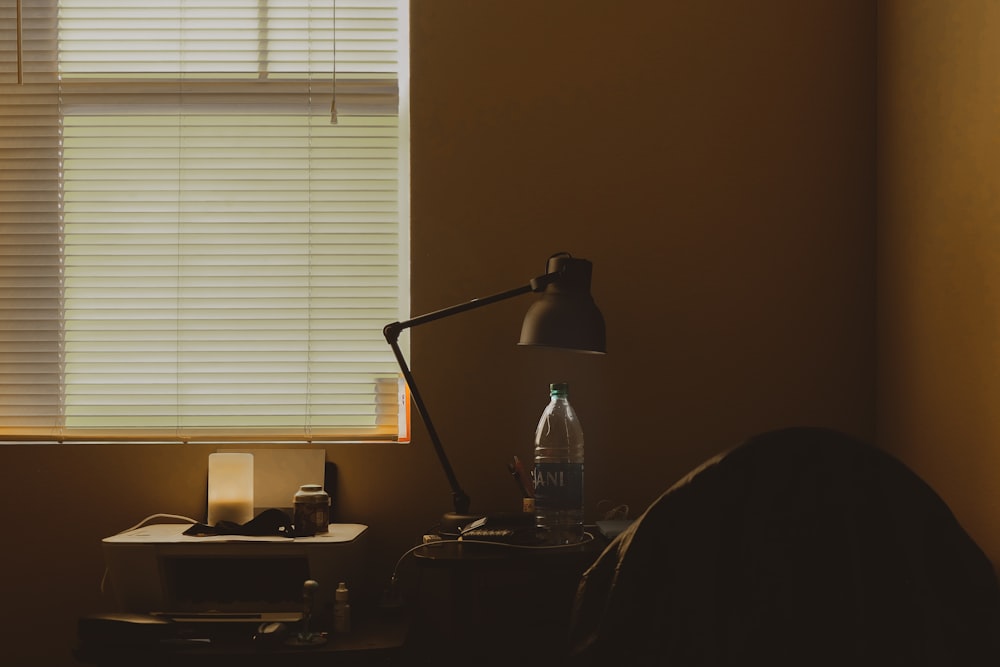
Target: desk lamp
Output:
{"points": [[565, 316]]}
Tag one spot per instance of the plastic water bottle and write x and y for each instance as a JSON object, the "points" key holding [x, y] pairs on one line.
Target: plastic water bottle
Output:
{"points": [[558, 473]]}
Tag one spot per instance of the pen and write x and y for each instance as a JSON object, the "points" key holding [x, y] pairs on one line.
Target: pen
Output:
{"points": [[520, 476]]}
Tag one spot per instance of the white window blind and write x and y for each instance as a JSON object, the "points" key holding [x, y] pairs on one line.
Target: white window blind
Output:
{"points": [[190, 248]]}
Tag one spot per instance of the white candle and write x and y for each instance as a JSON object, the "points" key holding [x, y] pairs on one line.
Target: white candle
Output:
{"points": [[230, 488]]}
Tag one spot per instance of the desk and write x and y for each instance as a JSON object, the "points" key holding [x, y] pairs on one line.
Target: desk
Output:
{"points": [[481, 604], [374, 640]]}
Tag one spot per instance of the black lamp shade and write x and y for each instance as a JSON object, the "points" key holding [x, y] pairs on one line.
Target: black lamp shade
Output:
{"points": [[566, 316]]}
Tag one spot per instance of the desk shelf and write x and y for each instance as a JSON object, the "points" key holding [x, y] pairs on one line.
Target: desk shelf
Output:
{"points": [[375, 640]]}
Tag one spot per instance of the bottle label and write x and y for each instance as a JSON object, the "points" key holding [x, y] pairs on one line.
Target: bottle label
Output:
{"points": [[558, 486]]}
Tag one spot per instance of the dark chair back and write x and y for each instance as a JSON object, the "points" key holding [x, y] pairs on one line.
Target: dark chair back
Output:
{"points": [[802, 546]]}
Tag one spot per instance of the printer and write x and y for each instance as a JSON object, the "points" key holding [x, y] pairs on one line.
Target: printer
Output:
{"points": [[157, 569]]}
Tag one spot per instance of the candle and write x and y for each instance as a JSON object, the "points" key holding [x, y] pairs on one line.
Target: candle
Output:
{"points": [[230, 488]]}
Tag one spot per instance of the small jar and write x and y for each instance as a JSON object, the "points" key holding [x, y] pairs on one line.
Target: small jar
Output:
{"points": [[312, 510]]}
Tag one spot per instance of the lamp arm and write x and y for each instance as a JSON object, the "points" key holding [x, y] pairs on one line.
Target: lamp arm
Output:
{"points": [[459, 497], [392, 332], [398, 327]]}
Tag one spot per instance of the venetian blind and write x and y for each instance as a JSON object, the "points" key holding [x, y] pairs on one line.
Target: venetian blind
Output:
{"points": [[190, 247]]}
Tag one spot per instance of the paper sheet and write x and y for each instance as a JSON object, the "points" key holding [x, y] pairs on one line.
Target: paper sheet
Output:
{"points": [[278, 474]]}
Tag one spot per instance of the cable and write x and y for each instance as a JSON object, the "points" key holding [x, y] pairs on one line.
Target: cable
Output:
{"points": [[619, 512], [588, 537], [159, 516]]}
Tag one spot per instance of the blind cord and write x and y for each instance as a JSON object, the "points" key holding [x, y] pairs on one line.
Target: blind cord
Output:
{"points": [[20, 47]]}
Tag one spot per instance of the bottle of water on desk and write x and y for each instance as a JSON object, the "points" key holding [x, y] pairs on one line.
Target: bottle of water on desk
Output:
{"points": [[558, 473]]}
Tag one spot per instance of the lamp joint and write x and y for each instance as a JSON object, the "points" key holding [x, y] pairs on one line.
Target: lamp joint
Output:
{"points": [[391, 332]]}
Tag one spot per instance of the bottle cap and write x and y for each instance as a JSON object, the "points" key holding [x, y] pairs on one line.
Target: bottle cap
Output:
{"points": [[559, 388], [341, 593]]}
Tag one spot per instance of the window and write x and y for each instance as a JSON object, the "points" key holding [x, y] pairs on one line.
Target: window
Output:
{"points": [[202, 227]]}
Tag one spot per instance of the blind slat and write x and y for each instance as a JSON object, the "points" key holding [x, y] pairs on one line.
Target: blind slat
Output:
{"points": [[189, 248]]}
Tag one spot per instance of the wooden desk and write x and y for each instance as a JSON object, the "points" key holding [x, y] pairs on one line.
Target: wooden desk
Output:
{"points": [[479, 604]]}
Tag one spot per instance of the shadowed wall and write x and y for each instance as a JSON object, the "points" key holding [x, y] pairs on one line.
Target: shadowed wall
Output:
{"points": [[714, 159]]}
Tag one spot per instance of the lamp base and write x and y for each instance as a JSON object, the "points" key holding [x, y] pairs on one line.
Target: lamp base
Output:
{"points": [[452, 523]]}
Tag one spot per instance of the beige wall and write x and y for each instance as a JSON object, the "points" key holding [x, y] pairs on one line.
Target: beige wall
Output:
{"points": [[939, 250], [714, 159]]}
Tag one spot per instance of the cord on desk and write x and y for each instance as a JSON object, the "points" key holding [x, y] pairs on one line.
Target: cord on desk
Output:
{"points": [[392, 592], [618, 512], [159, 516]]}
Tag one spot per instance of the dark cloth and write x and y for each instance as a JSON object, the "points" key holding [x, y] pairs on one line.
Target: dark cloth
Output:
{"points": [[270, 522], [799, 547]]}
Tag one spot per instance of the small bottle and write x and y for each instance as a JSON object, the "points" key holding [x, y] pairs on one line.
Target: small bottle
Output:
{"points": [[312, 510], [558, 473], [341, 609]]}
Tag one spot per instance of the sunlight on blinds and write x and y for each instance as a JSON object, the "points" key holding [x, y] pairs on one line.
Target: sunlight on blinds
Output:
{"points": [[228, 256]]}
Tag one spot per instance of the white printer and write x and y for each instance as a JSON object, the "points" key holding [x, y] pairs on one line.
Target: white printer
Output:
{"points": [[157, 569]]}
